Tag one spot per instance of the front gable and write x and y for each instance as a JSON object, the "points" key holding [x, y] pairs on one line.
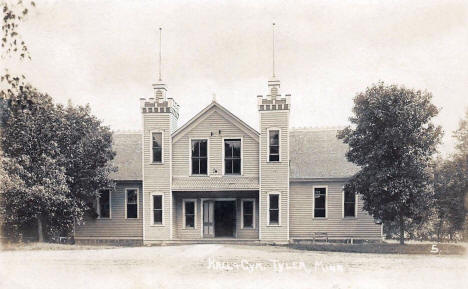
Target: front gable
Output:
{"points": [[215, 107], [214, 124]]}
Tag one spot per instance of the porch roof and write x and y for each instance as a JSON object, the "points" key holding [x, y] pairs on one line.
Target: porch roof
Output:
{"points": [[214, 183]]}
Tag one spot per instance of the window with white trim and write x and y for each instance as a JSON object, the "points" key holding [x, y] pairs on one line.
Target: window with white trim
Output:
{"points": [[189, 214], [199, 157], [157, 209], [156, 147], [273, 145], [104, 204], [232, 156], [273, 209], [320, 200], [131, 197], [248, 214], [349, 204]]}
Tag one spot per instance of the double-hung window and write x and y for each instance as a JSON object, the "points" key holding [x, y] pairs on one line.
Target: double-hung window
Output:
{"points": [[273, 209], [104, 204], [248, 211], [189, 214], [157, 209], [273, 145], [131, 197], [320, 202], [199, 157], [232, 156], [349, 205], [156, 147]]}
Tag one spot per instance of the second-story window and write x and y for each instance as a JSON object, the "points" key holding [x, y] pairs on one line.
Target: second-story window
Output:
{"points": [[273, 145], [156, 146], [199, 157], [232, 156]]}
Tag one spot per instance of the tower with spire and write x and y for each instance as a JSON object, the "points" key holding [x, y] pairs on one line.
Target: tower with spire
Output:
{"points": [[274, 159], [160, 114]]}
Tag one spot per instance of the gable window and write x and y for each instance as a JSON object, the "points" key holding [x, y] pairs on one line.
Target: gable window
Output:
{"points": [[273, 145], [131, 200], [199, 157], [273, 209], [104, 204], [248, 211], [232, 156], [156, 147], [189, 214], [349, 206], [320, 200], [157, 209]]}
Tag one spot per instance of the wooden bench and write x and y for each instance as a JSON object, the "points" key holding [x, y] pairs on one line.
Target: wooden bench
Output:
{"points": [[320, 235]]}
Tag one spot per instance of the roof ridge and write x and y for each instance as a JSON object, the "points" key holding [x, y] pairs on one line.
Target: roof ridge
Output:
{"points": [[317, 128], [127, 131]]}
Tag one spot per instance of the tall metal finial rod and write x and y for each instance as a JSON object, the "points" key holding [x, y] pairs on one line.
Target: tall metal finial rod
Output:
{"points": [[273, 47], [160, 39]]}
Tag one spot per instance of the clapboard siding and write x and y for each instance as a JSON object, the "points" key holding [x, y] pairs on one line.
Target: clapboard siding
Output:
{"points": [[303, 225], [157, 176], [117, 226], [274, 176], [196, 233], [213, 123]]}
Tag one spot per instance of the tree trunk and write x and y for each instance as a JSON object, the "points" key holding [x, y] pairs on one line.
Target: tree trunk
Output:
{"points": [[40, 232], [438, 231], [402, 230]]}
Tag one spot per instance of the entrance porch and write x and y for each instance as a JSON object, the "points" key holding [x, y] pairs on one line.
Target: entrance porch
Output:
{"points": [[215, 216]]}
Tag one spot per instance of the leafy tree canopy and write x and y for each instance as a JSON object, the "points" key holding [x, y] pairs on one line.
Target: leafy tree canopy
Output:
{"points": [[59, 157], [451, 185], [392, 139]]}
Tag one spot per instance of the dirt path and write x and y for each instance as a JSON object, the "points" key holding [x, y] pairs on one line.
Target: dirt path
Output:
{"points": [[226, 266]]}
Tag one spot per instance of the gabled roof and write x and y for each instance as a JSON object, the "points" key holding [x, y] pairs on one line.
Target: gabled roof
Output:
{"points": [[128, 156], [314, 154], [318, 154], [204, 113]]}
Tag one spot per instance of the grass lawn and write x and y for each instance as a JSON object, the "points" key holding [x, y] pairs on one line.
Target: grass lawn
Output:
{"points": [[34, 246], [225, 266], [386, 248]]}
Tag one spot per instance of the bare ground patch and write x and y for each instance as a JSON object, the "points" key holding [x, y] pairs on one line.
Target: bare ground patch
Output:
{"points": [[226, 266]]}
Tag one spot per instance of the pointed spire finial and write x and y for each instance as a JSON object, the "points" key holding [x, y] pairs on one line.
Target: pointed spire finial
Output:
{"points": [[273, 48], [160, 40]]}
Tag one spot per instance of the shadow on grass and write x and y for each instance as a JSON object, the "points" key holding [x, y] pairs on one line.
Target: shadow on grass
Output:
{"points": [[385, 248]]}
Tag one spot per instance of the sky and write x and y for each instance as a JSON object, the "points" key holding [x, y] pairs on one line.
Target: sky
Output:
{"points": [[105, 53]]}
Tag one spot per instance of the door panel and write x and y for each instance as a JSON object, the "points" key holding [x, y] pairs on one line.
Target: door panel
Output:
{"points": [[208, 219]]}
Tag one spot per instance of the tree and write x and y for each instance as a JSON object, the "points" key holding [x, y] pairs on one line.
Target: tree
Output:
{"points": [[451, 185], [86, 155], [14, 13], [29, 142], [393, 140], [60, 156]]}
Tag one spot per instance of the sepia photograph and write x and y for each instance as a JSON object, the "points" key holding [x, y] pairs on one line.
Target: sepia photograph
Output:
{"points": [[234, 144]]}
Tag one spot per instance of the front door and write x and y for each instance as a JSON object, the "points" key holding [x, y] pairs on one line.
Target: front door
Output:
{"points": [[225, 219], [208, 219]]}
